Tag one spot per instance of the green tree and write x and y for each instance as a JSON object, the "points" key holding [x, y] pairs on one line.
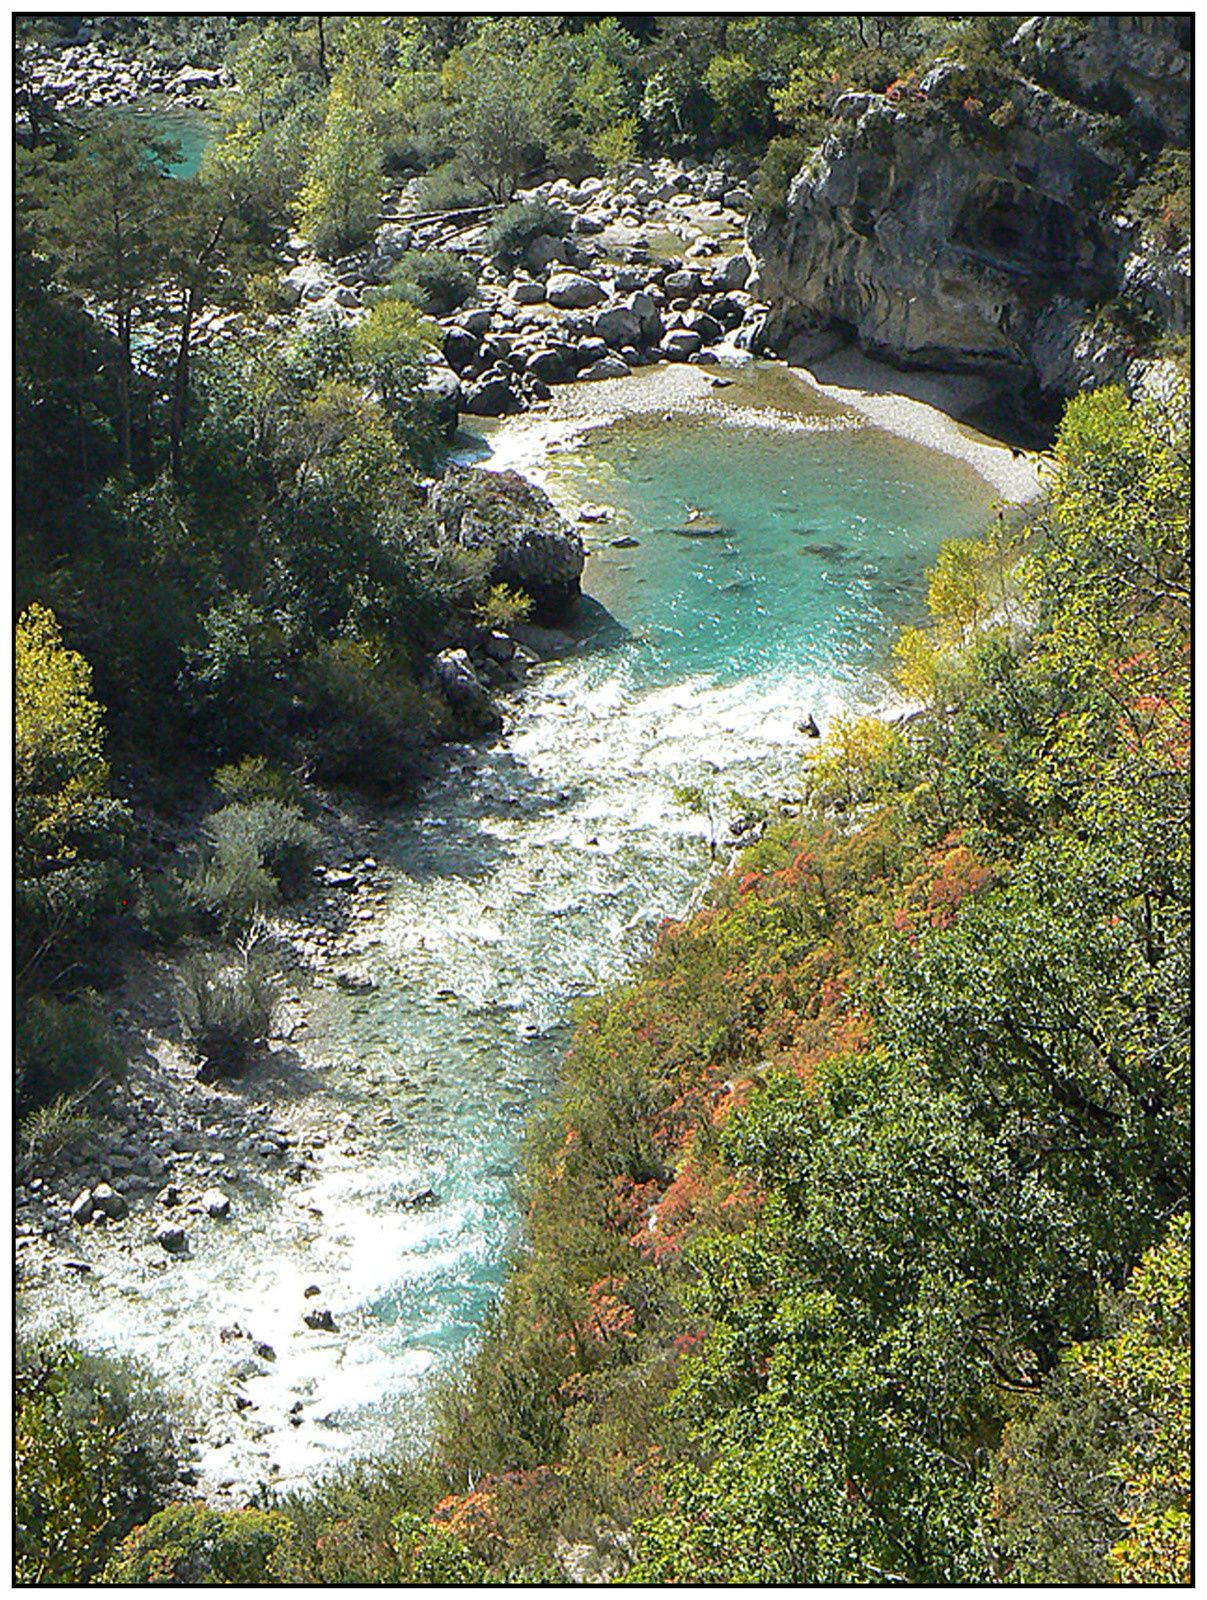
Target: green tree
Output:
{"points": [[105, 226], [340, 199]]}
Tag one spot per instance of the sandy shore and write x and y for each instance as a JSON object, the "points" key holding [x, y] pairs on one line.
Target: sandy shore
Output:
{"points": [[925, 407]]}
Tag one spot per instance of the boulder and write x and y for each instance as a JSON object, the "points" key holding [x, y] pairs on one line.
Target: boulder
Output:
{"points": [[573, 292], [733, 272], [107, 1200], [460, 347], [463, 689], [491, 396], [533, 548], [526, 293], [589, 351], [683, 282], [645, 308], [442, 391], [172, 1238], [216, 1204], [322, 1321], [618, 325], [544, 250], [700, 322], [475, 321], [393, 241], [551, 364], [81, 1207], [607, 367], [679, 343]]}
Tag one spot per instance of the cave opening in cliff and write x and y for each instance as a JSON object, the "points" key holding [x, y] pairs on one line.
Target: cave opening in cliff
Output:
{"points": [[1019, 229]]}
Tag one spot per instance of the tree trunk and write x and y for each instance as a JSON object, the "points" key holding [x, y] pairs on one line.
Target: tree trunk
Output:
{"points": [[178, 411]]}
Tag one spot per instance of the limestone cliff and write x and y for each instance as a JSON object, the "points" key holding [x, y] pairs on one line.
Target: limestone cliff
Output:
{"points": [[945, 227]]}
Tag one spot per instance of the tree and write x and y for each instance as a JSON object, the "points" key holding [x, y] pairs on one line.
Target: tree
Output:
{"points": [[341, 195], [105, 225]]}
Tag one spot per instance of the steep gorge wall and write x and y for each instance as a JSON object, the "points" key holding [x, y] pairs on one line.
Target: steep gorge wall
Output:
{"points": [[940, 234]]}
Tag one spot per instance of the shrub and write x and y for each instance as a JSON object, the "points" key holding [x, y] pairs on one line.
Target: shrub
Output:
{"points": [[616, 146], [226, 1007], [779, 166], [253, 778], [61, 1047], [367, 714], [163, 908], [97, 1451], [516, 226], [48, 1130], [430, 1554], [435, 281], [446, 188], [190, 1544], [504, 607], [260, 852]]}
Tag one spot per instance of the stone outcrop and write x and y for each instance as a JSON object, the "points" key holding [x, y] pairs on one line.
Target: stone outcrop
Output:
{"points": [[939, 233], [533, 548]]}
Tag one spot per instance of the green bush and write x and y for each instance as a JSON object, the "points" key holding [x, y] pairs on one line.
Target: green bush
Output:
{"points": [[190, 1544], [97, 1452], [260, 852], [446, 188], [163, 907], [516, 226], [779, 166], [368, 718], [504, 607], [435, 281], [253, 778], [61, 1047], [226, 1008], [616, 146], [46, 1131]]}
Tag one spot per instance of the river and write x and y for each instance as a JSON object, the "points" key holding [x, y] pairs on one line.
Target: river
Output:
{"points": [[770, 542]]}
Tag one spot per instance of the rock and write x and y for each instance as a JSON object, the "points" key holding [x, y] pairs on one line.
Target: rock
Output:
{"points": [[683, 282], [552, 364], [679, 343], [625, 541], [442, 391], [476, 321], [533, 548], [215, 1204], [169, 1195], [544, 250], [172, 1238], [590, 513], [608, 367], [490, 397], [733, 272], [393, 241], [459, 683], [420, 1200], [311, 1290], [700, 322], [81, 1207], [527, 293], [460, 347], [618, 325], [940, 245], [809, 727], [498, 646], [355, 982], [264, 1351], [571, 291], [321, 1320], [645, 309], [108, 1201]]}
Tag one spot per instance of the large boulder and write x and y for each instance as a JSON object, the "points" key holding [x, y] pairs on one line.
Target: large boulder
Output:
{"points": [[491, 396], [573, 292], [442, 392], [533, 548], [618, 325], [460, 685]]}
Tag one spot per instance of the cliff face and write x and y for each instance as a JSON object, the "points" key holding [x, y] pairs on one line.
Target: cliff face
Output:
{"points": [[940, 233]]}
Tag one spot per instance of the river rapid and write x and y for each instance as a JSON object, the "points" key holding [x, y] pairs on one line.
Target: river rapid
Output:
{"points": [[769, 543]]}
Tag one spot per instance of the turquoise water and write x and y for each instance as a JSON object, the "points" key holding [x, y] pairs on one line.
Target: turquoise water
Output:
{"points": [[538, 868], [192, 131]]}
